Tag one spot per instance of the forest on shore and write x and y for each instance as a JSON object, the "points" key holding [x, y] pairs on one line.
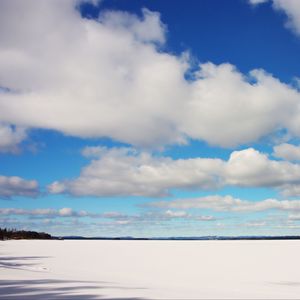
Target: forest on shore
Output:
{"points": [[13, 234]]}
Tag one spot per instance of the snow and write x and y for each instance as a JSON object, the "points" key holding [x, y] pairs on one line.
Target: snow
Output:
{"points": [[86, 269]]}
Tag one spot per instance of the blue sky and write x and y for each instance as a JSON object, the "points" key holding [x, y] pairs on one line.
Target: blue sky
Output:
{"points": [[150, 118]]}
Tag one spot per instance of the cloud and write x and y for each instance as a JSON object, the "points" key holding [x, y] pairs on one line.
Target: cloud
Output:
{"points": [[294, 217], [176, 214], [180, 214], [291, 8], [128, 172], [93, 151], [297, 82], [223, 97], [228, 204], [124, 171], [45, 212], [148, 29], [114, 217], [255, 2], [16, 186], [73, 79], [291, 190], [250, 168], [287, 151], [255, 224], [11, 137], [110, 77], [67, 212]]}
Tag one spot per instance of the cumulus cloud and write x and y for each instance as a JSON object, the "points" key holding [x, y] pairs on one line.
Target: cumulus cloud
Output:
{"points": [[223, 97], [16, 186], [125, 171], [291, 8], [11, 137], [287, 152], [111, 78], [250, 168], [88, 78], [228, 204]]}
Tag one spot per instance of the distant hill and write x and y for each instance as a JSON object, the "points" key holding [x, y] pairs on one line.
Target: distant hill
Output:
{"points": [[13, 234]]}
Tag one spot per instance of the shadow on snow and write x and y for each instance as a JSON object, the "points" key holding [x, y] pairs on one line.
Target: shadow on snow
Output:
{"points": [[50, 289]]}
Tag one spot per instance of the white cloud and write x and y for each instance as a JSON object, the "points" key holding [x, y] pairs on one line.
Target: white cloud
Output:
{"points": [[149, 29], [205, 218], [16, 186], [115, 217], [250, 168], [88, 78], [225, 109], [181, 214], [287, 152], [294, 217], [19, 211], [111, 78], [125, 171], [290, 190], [228, 204], [176, 214], [65, 212], [47, 212], [93, 151], [255, 224], [255, 2], [56, 187], [291, 8], [10, 138]]}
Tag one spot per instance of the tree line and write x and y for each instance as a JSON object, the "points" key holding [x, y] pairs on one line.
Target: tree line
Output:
{"points": [[8, 234]]}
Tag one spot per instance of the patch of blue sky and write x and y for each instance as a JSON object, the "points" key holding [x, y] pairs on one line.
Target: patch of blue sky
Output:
{"points": [[249, 40]]}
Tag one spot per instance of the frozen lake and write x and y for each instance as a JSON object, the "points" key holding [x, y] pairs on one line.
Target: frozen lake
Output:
{"points": [[76, 269]]}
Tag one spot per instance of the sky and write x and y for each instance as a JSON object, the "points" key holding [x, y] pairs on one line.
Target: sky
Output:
{"points": [[150, 118]]}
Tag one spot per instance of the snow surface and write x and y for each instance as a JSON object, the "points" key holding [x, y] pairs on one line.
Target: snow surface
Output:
{"points": [[88, 269]]}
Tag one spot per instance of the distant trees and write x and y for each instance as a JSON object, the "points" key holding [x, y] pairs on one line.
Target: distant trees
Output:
{"points": [[7, 234]]}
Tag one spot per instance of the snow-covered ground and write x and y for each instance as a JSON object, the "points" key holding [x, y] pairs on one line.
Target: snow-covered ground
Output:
{"points": [[149, 269]]}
